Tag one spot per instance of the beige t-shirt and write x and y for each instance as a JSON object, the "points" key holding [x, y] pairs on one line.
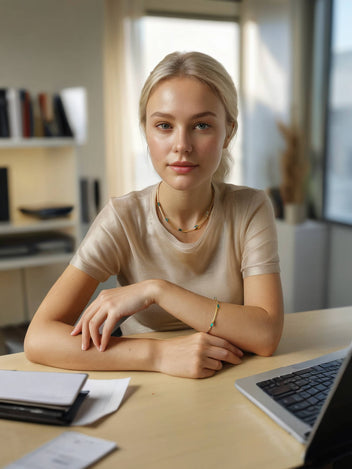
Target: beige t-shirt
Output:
{"points": [[128, 240]]}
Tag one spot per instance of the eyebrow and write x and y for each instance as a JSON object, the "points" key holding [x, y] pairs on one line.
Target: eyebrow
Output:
{"points": [[195, 116]]}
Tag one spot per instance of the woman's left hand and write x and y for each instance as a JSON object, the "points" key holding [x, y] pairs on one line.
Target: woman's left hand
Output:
{"points": [[111, 306]]}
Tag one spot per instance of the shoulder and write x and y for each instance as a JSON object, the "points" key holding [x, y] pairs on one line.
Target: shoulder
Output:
{"points": [[241, 198], [134, 198], [131, 205]]}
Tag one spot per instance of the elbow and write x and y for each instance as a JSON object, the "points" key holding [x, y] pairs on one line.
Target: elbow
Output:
{"points": [[32, 349], [267, 350], [269, 343]]}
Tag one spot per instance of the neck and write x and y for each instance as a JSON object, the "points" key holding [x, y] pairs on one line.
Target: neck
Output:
{"points": [[184, 211]]}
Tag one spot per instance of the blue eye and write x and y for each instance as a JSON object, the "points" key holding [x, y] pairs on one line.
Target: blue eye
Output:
{"points": [[164, 126], [202, 126]]}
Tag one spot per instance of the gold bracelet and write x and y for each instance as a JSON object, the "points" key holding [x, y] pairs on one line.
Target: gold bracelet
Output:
{"points": [[217, 307]]}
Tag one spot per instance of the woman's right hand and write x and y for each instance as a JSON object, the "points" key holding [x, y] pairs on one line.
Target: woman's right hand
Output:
{"points": [[199, 355]]}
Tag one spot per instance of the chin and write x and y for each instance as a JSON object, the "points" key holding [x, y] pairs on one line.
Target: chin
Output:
{"points": [[187, 182]]}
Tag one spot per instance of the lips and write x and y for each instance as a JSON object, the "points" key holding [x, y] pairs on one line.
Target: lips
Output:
{"points": [[183, 167]]}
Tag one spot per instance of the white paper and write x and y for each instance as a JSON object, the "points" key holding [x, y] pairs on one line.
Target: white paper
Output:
{"points": [[70, 450], [105, 396]]}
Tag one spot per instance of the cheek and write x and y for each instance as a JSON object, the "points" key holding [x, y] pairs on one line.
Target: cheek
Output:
{"points": [[211, 147], [157, 148]]}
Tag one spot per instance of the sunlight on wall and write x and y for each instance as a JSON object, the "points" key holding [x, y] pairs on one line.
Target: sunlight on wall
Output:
{"points": [[266, 79]]}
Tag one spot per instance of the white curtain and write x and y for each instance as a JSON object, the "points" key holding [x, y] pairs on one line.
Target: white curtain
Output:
{"points": [[122, 83], [265, 87]]}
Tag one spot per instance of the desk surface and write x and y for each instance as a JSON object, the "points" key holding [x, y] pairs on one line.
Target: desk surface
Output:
{"points": [[168, 422]]}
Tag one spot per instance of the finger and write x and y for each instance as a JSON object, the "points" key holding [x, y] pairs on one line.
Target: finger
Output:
{"points": [[85, 335], [206, 373], [235, 350], [224, 355], [77, 329], [212, 364], [107, 331], [79, 326], [223, 343], [94, 325]]}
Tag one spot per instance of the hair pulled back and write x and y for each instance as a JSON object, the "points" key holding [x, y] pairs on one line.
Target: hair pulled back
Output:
{"points": [[207, 70]]}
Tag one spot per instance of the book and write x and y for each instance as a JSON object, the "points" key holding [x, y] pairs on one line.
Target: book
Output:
{"points": [[4, 195], [75, 104], [4, 117], [42, 397], [14, 112], [38, 121], [61, 117], [21, 116], [46, 115], [27, 114], [40, 387]]}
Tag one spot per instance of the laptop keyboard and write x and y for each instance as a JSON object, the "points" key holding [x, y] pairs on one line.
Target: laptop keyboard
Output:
{"points": [[303, 392]]}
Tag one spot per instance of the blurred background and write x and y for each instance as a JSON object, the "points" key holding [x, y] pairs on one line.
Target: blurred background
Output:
{"points": [[291, 61]]}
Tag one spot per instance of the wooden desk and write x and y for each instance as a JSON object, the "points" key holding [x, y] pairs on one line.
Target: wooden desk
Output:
{"points": [[175, 423]]}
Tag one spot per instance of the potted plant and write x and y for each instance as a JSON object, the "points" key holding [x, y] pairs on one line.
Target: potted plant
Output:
{"points": [[294, 170]]}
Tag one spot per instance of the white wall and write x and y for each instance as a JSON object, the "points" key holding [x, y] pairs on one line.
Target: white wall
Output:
{"points": [[47, 45], [339, 291]]}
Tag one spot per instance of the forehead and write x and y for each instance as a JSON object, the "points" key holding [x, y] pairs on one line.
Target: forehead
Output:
{"points": [[184, 93]]}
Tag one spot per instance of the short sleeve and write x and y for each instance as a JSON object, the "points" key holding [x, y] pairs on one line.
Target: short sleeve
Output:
{"points": [[100, 253], [259, 238]]}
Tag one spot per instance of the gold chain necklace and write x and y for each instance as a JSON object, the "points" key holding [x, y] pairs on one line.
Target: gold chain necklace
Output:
{"points": [[197, 226]]}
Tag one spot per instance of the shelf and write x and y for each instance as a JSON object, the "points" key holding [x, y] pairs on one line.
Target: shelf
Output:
{"points": [[34, 261], [36, 142], [35, 226], [41, 171]]}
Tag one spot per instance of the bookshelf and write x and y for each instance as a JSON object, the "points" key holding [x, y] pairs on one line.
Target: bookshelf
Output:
{"points": [[41, 171], [36, 142]]}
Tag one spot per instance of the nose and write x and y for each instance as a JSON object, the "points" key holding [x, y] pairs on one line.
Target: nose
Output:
{"points": [[182, 143]]}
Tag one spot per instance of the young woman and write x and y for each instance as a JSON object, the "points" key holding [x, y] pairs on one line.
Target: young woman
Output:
{"points": [[190, 252]]}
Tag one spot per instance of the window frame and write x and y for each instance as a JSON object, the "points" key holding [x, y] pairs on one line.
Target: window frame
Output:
{"points": [[320, 118], [222, 10]]}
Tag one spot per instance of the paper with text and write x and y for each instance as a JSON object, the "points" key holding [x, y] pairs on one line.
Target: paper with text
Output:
{"points": [[70, 450]]}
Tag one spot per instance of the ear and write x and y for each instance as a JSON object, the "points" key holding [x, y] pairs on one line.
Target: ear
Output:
{"points": [[229, 133]]}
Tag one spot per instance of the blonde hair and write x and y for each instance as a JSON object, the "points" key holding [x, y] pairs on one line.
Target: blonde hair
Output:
{"points": [[207, 70]]}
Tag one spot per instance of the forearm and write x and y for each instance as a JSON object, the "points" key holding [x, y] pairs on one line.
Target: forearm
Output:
{"points": [[51, 344], [250, 328]]}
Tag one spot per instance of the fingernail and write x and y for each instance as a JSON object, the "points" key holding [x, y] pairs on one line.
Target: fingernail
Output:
{"points": [[84, 347], [101, 348]]}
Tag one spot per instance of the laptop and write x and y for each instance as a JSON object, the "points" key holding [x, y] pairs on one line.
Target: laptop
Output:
{"points": [[312, 400]]}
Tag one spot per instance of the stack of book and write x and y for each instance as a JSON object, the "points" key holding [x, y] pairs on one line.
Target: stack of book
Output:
{"points": [[23, 116], [41, 397]]}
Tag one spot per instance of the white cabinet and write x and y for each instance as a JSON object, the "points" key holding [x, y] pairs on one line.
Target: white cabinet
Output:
{"points": [[40, 171], [303, 251]]}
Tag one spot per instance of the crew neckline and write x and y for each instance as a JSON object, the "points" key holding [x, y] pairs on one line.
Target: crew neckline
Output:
{"points": [[169, 236]]}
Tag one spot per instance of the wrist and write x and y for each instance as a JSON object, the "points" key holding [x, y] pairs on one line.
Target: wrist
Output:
{"points": [[156, 352], [154, 288]]}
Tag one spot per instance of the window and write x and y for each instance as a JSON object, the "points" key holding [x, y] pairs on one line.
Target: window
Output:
{"points": [[162, 35], [338, 175]]}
